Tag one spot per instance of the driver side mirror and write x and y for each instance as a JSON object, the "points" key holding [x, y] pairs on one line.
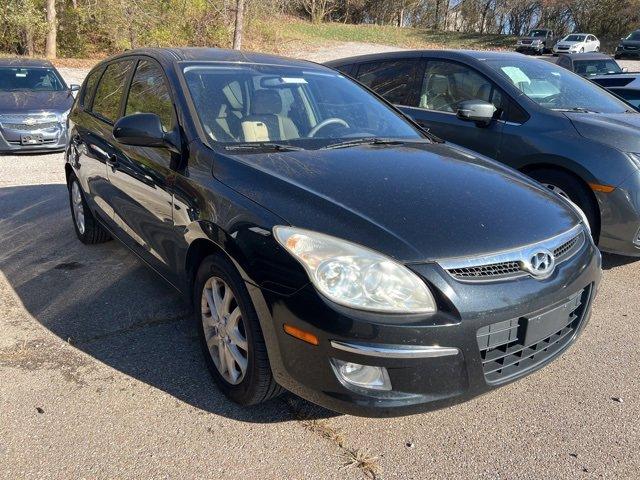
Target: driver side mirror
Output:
{"points": [[143, 130], [625, 70], [477, 111], [74, 87]]}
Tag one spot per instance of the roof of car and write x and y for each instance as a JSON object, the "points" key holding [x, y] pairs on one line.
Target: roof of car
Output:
{"points": [[588, 56], [455, 54], [24, 62], [204, 54]]}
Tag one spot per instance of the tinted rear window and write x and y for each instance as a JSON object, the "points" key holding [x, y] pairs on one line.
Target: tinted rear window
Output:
{"points": [[391, 79], [111, 89]]}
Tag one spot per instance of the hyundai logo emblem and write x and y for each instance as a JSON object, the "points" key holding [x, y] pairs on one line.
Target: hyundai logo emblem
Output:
{"points": [[540, 264], [30, 121]]}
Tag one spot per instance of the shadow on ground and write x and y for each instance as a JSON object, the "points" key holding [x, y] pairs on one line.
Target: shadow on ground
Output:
{"points": [[610, 260], [105, 302]]}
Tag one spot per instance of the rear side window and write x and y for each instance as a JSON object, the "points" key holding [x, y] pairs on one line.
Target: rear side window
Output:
{"points": [[149, 93], [111, 89], [391, 79], [90, 87], [346, 69]]}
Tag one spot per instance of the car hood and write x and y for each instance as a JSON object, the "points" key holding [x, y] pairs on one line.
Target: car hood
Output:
{"points": [[633, 43], [569, 43], [532, 38], [414, 203], [617, 130], [34, 101]]}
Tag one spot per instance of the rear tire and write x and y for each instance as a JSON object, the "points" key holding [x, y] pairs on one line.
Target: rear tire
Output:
{"points": [[571, 187], [231, 327], [88, 229]]}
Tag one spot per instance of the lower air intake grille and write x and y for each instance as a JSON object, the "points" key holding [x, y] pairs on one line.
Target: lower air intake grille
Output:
{"points": [[510, 348]]}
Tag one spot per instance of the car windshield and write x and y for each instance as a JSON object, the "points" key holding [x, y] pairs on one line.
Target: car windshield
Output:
{"points": [[306, 108], [575, 38], [634, 35], [596, 67], [537, 33], [556, 88], [39, 79]]}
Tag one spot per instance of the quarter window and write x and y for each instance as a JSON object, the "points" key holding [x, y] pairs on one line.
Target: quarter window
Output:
{"points": [[149, 93], [393, 79], [90, 87], [110, 90]]}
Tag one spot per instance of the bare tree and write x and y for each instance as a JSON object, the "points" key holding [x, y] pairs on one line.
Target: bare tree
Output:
{"points": [[52, 30], [237, 32]]}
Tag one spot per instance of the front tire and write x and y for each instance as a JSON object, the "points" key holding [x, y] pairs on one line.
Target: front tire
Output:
{"points": [[87, 228], [230, 334]]}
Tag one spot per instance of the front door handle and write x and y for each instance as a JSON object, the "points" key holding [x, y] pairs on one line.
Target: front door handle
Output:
{"points": [[112, 161]]}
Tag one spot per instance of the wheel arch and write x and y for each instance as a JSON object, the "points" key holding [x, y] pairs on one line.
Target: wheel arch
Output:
{"points": [[530, 168]]}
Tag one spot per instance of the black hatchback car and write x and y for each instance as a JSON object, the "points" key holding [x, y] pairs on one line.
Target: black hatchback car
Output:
{"points": [[328, 245], [569, 134]]}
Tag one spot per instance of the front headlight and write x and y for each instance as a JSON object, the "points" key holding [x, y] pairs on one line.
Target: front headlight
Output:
{"points": [[355, 276], [62, 117], [635, 158]]}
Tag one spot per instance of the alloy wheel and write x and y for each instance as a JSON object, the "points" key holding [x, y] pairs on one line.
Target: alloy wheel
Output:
{"points": [[78, 207], [224, 330]]}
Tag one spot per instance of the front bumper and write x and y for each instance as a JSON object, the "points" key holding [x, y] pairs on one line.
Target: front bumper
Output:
{"points": [[624, 53], [54, 138], [620, 218], [530, 48], [420, 382]]}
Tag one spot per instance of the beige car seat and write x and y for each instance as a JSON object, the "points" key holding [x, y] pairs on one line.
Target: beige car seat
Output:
{"points": [[266, 121]]}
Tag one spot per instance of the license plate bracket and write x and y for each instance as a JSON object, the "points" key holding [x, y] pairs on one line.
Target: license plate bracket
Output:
{"points": [[31, 139], [546, 324]]}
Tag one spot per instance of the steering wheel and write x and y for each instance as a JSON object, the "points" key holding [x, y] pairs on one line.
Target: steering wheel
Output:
{"points": [[324, 123], [551, 98]]}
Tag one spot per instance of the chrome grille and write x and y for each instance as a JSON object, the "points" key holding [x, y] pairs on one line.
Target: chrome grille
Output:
{"points": [[511, 264], [491, 270], [28, 128]]}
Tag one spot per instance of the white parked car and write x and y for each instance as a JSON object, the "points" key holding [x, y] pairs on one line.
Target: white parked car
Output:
{"points": [[577, 43]]}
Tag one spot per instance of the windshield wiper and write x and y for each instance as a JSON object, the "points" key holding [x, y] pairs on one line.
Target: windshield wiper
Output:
{"points": [[277, 147], [365, 141], [575, 109]]}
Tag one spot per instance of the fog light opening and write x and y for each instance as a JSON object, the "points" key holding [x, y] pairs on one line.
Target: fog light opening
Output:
{"points": [[636, 240], [361, 376]]}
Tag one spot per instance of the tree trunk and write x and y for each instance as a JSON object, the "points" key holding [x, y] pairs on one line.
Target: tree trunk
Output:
{"points": [[237, 32], [29, 42], [52, 30]]}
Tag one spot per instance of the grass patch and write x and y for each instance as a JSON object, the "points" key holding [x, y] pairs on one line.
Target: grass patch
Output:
{"points": [[282, 35]]}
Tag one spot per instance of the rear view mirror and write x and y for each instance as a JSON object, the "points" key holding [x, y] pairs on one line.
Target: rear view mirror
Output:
{"points": [[142, 130], [477, 111]]}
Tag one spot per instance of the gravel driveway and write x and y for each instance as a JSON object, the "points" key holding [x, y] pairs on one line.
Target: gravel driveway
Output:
{"points": [[101, 377]]}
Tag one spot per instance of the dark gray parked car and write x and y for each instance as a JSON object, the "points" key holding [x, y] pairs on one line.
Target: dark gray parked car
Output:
{"points": [[629, 46], [34, 104], [557, 127]]}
